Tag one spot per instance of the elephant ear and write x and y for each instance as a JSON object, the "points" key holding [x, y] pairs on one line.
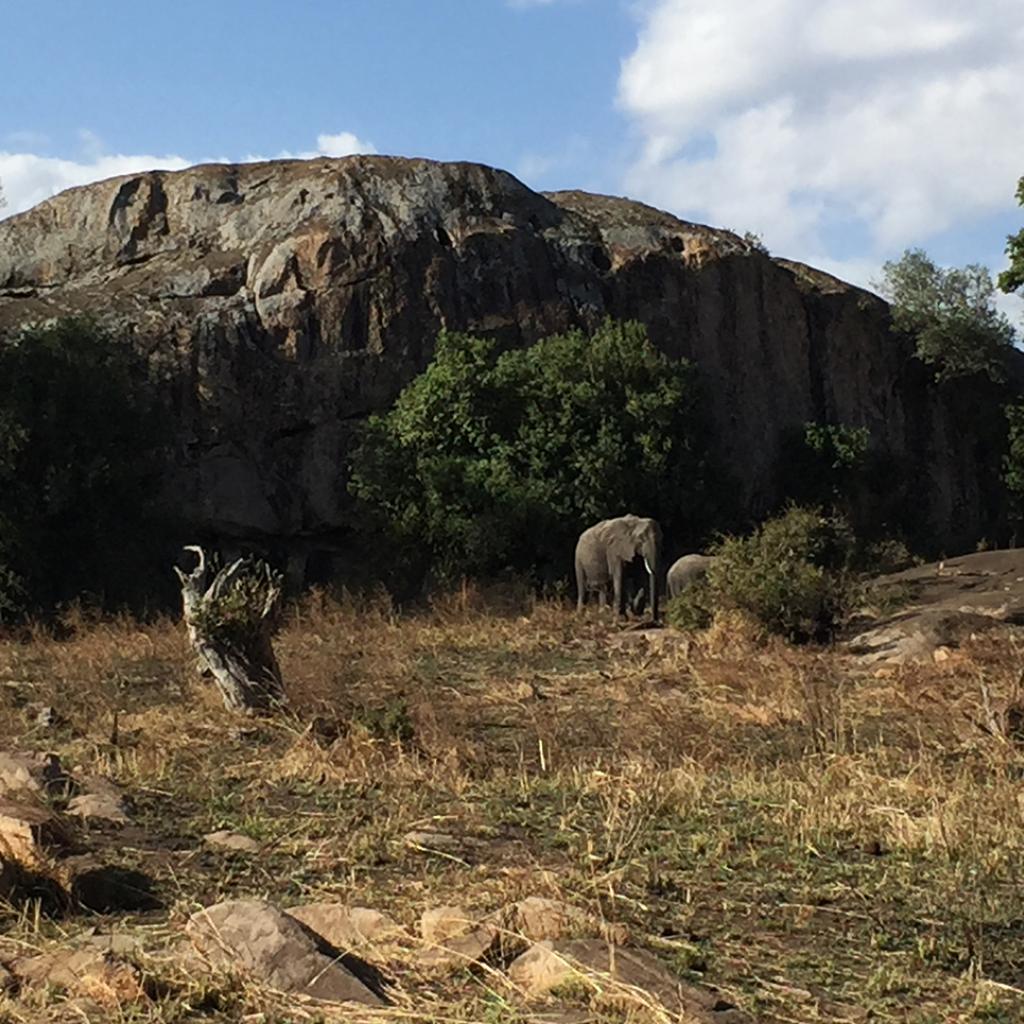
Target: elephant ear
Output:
{"points": [[622, 542]]}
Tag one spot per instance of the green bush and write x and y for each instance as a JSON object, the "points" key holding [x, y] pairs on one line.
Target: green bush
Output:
{"points": [[793, 574], [493, 461], [80, 456], [692, 609]]}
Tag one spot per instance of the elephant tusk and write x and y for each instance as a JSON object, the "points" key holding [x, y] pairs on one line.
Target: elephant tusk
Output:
{"points": [[647, 566]]}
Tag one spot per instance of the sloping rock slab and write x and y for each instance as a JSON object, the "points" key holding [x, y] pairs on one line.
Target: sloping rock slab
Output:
{"points": [[346, 927], [943, 604], [917, 636], [277, 951], [628, 977]]}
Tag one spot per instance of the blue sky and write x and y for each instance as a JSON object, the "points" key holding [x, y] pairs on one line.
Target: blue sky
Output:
{"points": [[841, 132]]}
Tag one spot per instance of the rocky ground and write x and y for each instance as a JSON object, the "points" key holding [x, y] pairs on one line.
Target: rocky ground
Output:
{"points": [[493, 811]]}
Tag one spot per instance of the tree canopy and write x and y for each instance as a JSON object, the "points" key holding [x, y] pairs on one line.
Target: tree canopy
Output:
{"points": [[493, 460], [951, 314], [79, 462], [1012, 279]]}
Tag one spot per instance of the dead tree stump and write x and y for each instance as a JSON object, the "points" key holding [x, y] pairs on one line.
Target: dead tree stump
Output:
{"points": [[231, 621]]}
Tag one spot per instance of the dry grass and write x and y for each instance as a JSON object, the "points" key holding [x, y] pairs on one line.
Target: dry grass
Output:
{"points": [[809, 838]]}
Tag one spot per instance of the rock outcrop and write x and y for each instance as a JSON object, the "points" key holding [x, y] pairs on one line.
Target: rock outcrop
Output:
{"points": [[280, 303]]}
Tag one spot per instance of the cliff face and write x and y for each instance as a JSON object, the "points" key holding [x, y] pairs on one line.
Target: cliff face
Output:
{"points": [[282, 302]]}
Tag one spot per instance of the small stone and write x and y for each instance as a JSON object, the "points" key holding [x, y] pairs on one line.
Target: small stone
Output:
{"points": [[438, 924], [454, 938], [276, 950], [346, 927], [99, 976], [233, 842], [30, 832], [434, 842], [537, 918], [100, 800], [33, 774]]}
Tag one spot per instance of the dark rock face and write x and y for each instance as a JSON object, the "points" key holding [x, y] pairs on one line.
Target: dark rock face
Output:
{"points": [[282, 302]]}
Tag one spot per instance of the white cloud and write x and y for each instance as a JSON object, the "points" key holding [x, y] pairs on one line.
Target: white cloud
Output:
{"points": [[888, 121], [343, 144], [28, 178]]}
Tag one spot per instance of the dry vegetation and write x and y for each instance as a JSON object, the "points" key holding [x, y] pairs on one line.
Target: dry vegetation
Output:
{"points": [[818, 842]]}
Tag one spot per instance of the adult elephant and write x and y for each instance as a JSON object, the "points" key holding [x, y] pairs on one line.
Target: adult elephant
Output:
{"points": [[606, 551], [686, 571]]}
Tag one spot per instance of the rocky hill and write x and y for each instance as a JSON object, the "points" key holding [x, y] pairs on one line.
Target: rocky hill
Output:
{"points": [[282, 302]]}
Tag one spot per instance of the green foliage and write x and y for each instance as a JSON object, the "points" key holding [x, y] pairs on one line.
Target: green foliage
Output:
{"points": [[493, 460], [841, 448], [950, 313], [1012, 279], [1013, 460], [693, 608], [826, 464], [793, 574], [79, 455]]}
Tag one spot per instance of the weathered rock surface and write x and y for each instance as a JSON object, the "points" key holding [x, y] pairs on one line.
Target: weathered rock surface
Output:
{"points": [[454, 937], [30, 834], [636, 979], [34, 774], [96, 974], [346, 927], [100, 800], [276, 950], [941, 605], [279, 303]]}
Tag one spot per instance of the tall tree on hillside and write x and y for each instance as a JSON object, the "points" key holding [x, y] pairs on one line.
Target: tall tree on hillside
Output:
{"points": [[1012, 279], [950, 313]]}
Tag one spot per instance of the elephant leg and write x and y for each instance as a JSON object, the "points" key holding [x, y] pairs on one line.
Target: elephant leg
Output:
{"points": [[617, 590], [581, 588]]}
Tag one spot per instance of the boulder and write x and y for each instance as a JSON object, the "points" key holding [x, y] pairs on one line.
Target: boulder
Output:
{"points": [[346, 927], [618, 975], [32, 774], [278, 951], [939, 605], [325, 282]]}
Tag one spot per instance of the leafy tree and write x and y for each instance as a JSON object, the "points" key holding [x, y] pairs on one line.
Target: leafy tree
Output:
{"points": [[492, 460], [1012, 279], [1013, 461], [80, 448], [951, 314]]}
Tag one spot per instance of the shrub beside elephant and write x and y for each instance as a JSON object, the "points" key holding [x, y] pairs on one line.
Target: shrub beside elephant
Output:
{"points": [[686, 571], [607, 551]]}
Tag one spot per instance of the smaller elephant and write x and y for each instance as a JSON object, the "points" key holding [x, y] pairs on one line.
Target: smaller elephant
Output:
{"points": [[686, 571], [610, 552]]}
